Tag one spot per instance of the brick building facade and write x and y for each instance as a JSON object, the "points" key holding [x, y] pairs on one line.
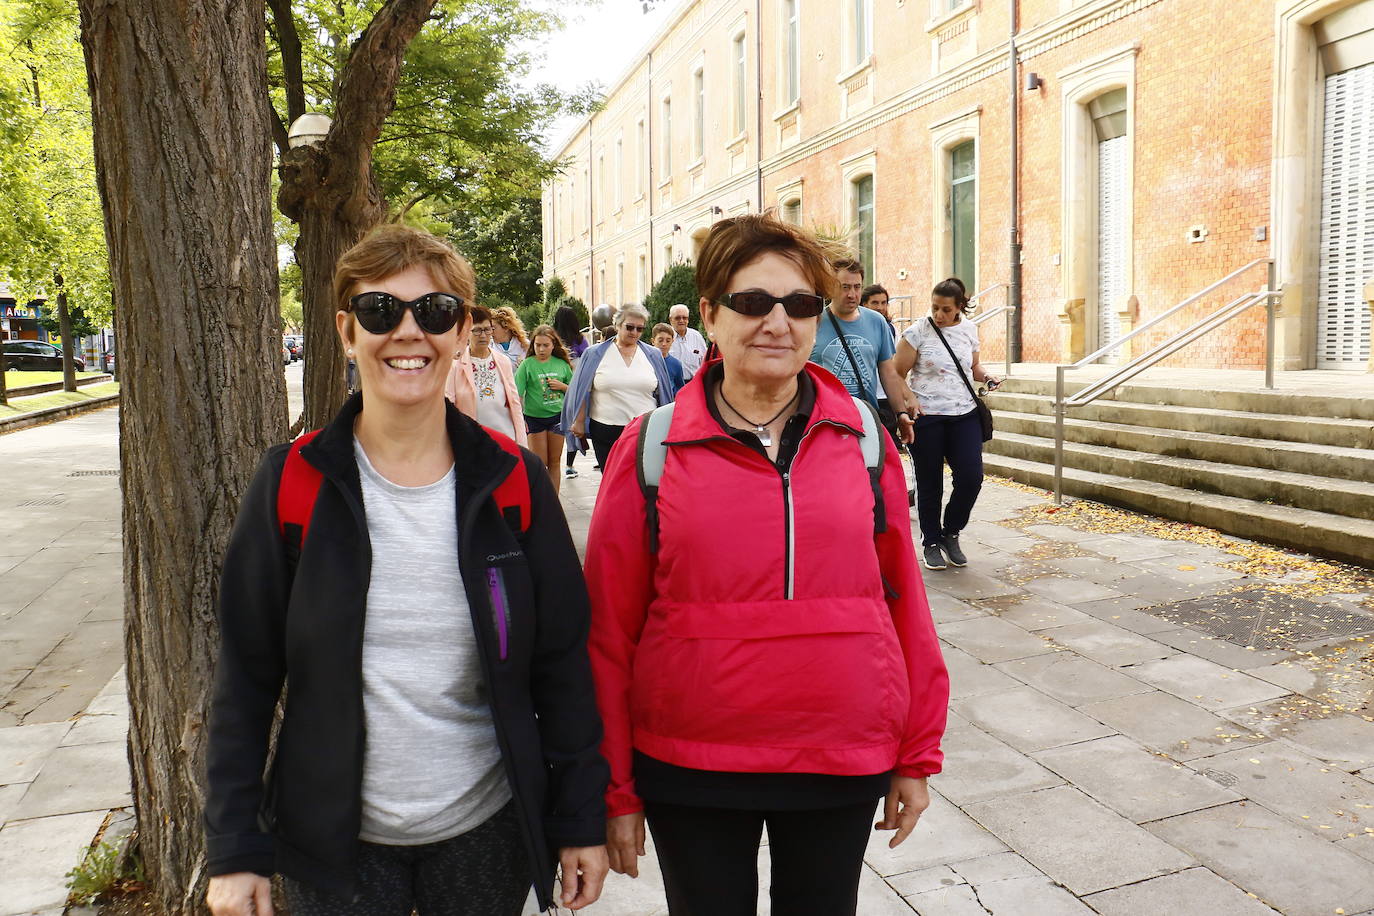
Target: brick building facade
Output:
{"points": [[1162, 145]]}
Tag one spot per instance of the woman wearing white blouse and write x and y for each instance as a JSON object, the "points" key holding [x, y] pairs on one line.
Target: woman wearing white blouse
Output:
{"points": [[627, 378], [948, 429]]}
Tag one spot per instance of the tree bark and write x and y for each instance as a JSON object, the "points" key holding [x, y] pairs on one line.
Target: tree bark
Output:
{"points": [[64, 333], [183, 159], [330, 189]]}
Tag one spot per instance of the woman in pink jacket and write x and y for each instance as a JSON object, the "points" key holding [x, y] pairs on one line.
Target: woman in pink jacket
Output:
{"points": [[481, 382], [761, 642]]}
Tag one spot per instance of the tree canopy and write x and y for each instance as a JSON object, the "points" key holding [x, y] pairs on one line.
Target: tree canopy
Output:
{"points": [[47, 164]]}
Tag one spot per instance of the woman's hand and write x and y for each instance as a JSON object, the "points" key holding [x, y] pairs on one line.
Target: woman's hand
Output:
{"points": [[913, 796], [906, 427], [625, 843], [557, 385], [243, 893], [583, 874], [578, 430]]}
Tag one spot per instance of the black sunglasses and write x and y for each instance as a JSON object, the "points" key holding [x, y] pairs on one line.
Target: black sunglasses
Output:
{"points": [[380, 313], [757, 304]]}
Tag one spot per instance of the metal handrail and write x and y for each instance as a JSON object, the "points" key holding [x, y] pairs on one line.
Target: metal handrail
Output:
{"points": [[1161, 351], [1006, 341], [1103, 351], [976, 296]]}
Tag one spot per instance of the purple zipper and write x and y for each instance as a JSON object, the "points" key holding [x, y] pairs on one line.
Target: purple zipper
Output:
{"points": [[498, 605]]}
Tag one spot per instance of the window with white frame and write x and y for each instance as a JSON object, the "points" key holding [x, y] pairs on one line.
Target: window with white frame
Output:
{"points": [[641, 159], [963, 216], [791, 211], [741, 76], [667, 256], [642, 279], [861, 24], [601, 183], [699, 114], [667, 134], [862, 216], [619, 169], [791, 50], [587, 183], [619, 282]]}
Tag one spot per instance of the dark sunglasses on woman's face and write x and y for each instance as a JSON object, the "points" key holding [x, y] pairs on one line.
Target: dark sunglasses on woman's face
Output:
{"points": [[756, 304], [380, 313]]}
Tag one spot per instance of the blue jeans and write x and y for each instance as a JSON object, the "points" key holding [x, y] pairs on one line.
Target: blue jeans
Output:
{"points": [[958, 441]]}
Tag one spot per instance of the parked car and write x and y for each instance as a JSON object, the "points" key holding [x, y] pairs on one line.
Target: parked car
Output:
{"points": [[38, 356], [292, 344]]}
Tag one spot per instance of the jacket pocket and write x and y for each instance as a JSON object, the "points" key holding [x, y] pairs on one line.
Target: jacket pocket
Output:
{"points": [[819, 672], [500, 608]]}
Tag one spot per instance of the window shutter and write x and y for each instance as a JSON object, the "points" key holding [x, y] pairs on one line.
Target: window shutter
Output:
{"points": [[1347, 220]]}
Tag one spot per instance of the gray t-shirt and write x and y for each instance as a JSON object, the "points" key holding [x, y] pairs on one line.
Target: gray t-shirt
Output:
{"points": [[431, 766]]}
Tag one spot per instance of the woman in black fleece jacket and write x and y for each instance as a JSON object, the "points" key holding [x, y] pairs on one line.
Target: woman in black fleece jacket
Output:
{"points": [[301, 614]]}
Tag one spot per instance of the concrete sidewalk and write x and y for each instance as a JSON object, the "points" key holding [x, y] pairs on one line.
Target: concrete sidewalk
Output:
{"points": [[1107, 751]]}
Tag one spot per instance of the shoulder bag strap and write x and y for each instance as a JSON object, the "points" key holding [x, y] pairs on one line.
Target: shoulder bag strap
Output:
{"points": [[957, 366]]}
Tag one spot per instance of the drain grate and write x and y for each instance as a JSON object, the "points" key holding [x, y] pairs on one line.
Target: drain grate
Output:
{"points": [[43, 502], [1266, 619], [105, 472]]}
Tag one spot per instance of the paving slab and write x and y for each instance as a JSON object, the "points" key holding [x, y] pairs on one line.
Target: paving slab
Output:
{"points": [[1205, 683], [1040, 896], [1000, 867], [9, 799], [1132, 781], [1127, 613], [944, 834], [1313, 795], [1072, 679], [35, 857], [1069, 591], [966, 583], [927, 879], [956, 900], [978, 767], [1215, 649], [945, 607], [1110, 645], [1164, 723], [969, 677], [1361, 845], [1036, 613], [1029, 720], [1294, 871], [1338, 738], [1076, 841], [875, 897], [1062, 533], [25, 748], [1188, 570], [97, 729], [91, 777], [991, 639], [1181, 892], [1116, 547], [1093, 569]]}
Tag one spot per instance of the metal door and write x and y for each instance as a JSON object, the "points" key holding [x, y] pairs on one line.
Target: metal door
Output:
{"points": [[1347, 220]]}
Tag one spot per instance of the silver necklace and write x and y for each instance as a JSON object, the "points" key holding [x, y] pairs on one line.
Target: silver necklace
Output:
{"points": [[759, 429]]}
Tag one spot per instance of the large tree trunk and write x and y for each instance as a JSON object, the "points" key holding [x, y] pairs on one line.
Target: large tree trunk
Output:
{"points": [[183, 156], [64, 333]]}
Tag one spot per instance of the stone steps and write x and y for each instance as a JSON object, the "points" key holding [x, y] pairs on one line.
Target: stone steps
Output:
{"points": [[1295, 469]]}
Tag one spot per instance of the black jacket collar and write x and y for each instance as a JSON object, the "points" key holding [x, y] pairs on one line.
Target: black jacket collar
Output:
{"points": [[476, 458]]}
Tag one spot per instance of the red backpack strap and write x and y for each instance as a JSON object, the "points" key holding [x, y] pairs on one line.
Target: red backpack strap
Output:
{"points": [[513, 494], [296, 495]]}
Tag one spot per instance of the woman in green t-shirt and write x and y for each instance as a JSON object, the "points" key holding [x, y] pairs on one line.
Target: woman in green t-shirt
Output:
{"points": [[541, 379]]}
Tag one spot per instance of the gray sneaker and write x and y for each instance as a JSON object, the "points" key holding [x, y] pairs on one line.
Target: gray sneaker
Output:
{"points": [[951, 544], [934, 557]]}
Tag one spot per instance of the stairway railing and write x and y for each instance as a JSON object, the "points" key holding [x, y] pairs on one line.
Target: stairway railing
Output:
{"points": [[1161, 351], [1006, 310]]}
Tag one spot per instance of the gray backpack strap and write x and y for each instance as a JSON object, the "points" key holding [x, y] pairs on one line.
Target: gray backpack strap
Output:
{"points": [[872, 447], [651, 453]]}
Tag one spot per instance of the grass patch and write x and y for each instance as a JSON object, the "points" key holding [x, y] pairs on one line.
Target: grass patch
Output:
{"points": [[17, 379], [20, 406], [105, 870]]}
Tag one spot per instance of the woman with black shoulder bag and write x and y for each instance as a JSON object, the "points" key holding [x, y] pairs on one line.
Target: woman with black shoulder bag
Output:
{"points": [[954, 423]]}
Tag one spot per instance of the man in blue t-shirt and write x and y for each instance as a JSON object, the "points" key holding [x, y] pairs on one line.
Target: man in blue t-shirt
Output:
{"points": [[871, 344]]}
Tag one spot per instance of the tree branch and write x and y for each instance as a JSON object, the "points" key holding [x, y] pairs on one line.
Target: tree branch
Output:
{"points": [[413, 201], [367, 88], [289, 41]]}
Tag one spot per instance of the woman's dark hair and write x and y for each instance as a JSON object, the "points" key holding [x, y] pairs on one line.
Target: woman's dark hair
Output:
{"points": [[953, 288], [480, 313], [739, 240], [566, 324]]}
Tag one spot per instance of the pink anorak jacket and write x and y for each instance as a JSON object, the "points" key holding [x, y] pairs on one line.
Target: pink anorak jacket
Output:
{"points": [[773, 631], [461, 389]]}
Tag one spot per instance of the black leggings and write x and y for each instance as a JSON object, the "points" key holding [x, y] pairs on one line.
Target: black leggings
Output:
{"points": [[958, 441], [484, 872], [709, 858], [603, 437]]}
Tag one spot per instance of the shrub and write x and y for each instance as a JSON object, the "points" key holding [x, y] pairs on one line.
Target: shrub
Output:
{"points": [[677, 285], [583, 317], [554, 290], [105, 870]]}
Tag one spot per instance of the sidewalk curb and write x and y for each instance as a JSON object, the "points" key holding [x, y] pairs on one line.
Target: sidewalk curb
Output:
{"points": [[50, 414]]}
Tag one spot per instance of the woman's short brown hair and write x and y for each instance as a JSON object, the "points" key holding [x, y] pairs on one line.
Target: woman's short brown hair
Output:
{"points": [[392, 248], [740, 240]]}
